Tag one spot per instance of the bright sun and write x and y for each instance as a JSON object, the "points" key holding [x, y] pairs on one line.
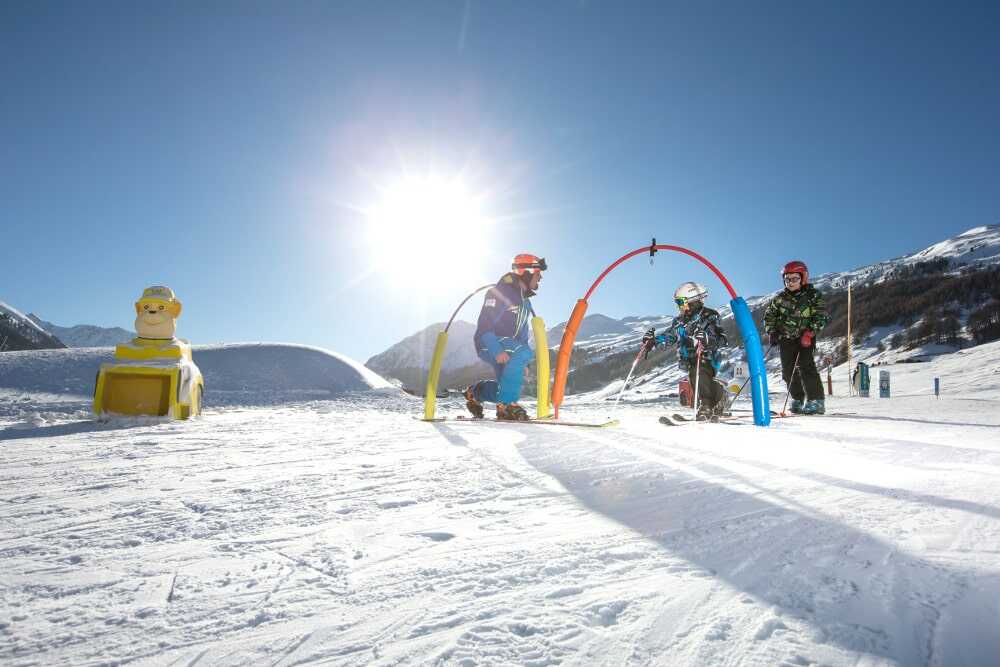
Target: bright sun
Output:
{"points": [[427, 223]]}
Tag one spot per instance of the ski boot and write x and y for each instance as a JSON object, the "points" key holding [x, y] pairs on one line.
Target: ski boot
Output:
{"points": [[511, 412], [814, 407], [796, 408], [474, 406], [705, 414]]}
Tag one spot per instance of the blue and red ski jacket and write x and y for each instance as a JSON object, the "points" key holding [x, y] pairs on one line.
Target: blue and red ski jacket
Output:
{"points": [[504, 319]]}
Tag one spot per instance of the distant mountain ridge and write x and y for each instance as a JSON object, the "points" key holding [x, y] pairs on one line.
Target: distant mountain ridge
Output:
{"points": [[20, 332], [976, 248], [417, 350], [85, 335]]}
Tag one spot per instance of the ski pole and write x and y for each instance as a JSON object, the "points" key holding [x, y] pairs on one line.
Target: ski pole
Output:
{"points": [[791, 378], [631, 370], [697, 376]]}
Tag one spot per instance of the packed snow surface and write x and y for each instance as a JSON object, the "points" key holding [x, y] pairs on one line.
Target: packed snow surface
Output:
{"points": [[346, 532]]}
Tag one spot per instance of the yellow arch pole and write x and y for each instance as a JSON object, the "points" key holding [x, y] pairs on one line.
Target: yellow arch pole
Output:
{"points": [[542, 367], [430, 394]]}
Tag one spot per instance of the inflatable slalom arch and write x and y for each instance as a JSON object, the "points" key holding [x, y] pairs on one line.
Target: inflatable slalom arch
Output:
{"points": [[744, 321], [542, 359]]}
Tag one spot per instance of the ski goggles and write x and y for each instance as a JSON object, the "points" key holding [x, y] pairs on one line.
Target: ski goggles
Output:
{"points": [[533, 267], [681, 301], [792, 278]]}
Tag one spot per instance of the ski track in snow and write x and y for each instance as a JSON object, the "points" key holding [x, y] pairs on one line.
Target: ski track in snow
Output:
{"points": [[345, 532]]}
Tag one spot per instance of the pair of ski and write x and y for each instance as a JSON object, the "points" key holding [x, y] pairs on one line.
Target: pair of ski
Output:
{"points": [[678, 419], [541, 422]]}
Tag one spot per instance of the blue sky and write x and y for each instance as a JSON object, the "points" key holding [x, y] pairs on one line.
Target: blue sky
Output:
{"points": [[235, 150]]}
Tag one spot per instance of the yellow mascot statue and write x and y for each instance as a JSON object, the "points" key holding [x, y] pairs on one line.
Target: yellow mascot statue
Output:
{"points": [[153, 374]]}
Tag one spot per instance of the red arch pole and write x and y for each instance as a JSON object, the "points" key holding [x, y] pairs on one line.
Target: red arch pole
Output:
{"points": [[569, 335]]}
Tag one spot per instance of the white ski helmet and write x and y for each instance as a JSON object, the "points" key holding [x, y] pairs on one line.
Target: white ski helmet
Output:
{"points": [[690, 292]]}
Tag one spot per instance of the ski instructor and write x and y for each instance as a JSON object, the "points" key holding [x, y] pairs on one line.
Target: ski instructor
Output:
{"points": [[502, 337], [792, 320]]}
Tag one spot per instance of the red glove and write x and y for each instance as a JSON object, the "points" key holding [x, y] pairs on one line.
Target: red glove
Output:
{"points": [[807, 338]]}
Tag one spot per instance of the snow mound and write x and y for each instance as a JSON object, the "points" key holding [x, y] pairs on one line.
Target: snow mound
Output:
{"points": [[247, 373]]}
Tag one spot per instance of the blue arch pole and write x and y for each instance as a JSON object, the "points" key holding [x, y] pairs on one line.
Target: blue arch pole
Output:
{"points": [[755, 359]]}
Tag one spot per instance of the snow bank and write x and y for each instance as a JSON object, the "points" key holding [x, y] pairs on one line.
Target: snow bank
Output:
{"points": [[248, 373]]}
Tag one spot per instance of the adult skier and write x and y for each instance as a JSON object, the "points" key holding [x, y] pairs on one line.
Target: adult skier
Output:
{"points": [[502, 337], [699, 337], [792, 320]]}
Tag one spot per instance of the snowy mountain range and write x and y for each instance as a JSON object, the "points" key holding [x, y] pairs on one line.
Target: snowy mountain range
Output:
{"points": [[602, 336], [20, 332], [416, 351], [84, 335], [976, 248]]}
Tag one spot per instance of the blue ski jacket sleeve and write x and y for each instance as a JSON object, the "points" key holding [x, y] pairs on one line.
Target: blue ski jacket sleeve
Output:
{"points": [[504, 318], [683, 330]]}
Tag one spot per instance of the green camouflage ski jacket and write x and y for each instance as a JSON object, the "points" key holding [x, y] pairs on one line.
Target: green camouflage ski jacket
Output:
{"points": [[791, 313]]}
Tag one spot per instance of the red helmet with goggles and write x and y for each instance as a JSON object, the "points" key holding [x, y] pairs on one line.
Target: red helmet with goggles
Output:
{"points": [[798, 267], [525, 263]]}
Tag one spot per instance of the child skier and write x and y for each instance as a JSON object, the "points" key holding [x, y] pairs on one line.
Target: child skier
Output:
{"points": [[502, 337], [699, 337], [792, 320]]}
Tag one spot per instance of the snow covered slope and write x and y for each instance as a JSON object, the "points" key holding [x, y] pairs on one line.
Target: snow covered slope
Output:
{"points": [[345, 532], [85, 335], [249, 373]]}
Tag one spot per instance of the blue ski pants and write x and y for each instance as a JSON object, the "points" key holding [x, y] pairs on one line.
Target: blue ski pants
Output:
{"points": [[509, 377]]}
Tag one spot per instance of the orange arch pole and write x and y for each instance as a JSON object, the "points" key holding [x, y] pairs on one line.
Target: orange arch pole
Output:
{"points": [[569, 335]]}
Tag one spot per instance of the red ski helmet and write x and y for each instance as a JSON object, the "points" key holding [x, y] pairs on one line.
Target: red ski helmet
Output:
{"points": [[796, 266], [526, 263]]}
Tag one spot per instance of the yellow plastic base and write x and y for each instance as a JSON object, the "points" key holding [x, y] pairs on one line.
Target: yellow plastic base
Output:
{"points": [[137, 394], [145, 390]]}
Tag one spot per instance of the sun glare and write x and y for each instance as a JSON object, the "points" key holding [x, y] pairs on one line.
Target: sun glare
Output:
{"points": [[426, 223]]}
